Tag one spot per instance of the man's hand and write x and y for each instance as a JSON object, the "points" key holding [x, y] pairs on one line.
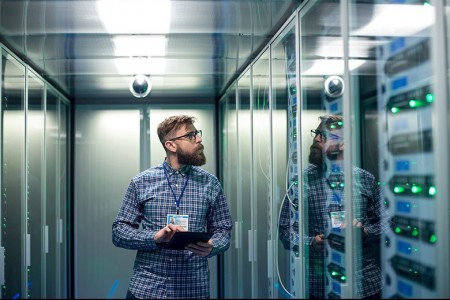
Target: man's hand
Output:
{"points": [[318, 242], [165, 234], [201, 248], [357, 224]]}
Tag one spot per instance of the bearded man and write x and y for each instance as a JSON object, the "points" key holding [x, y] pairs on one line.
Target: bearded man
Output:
{"points": [[325, 224], [175, 196]]}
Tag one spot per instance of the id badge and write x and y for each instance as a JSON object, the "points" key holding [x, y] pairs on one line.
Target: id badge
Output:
{"points": [[337, 218], [182, 220]]}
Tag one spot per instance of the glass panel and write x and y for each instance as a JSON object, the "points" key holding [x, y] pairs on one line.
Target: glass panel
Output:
{"points": [[36, 190], [394, 88], [284, 132], [244, 186], [233, 268], [64, 197], [322, 158], [13, 171], [103, 135], [51, 154], [262, 177]]}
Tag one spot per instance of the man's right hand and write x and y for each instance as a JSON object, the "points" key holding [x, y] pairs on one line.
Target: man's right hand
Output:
{"points": [[165, 234], [318, 242]]}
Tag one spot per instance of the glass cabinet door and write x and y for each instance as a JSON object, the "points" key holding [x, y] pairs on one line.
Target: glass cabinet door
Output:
{"points": [[395, 93], [245, 201], [36, 191], [229, 126], [285, 177], [52, 194], [13, 203], [262, 176]]}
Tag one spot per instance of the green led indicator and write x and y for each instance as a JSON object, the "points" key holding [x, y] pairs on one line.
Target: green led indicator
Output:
{"points": [[432, 191], [429, 97], [397, 230], [416, 189], [415, 232], [426, 3], [433, 238], [334, 273], [399, 189], [342, 184], [343, 278], [340, 123], [395, 110], [333, 185], [412, 103]]}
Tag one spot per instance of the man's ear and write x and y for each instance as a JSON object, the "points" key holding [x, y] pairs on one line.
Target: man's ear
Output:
{"points": [[170, 146]]}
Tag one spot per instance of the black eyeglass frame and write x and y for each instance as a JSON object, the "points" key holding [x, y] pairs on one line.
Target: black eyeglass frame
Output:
{"points": [[324, 135], [190, 135]]}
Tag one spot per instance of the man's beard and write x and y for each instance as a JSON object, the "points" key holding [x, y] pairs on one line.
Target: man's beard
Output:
{"points": [[194, 159], [315, 155]]}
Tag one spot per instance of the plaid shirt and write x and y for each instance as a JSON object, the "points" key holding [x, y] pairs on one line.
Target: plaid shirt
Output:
{"points": [[367, 208], [160, 272]]}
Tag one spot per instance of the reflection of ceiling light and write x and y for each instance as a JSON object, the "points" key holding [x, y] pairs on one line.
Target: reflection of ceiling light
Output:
{"points": [[321, 67], [140, 86], [140, 65], [140, 45], [135, 16], [397, 20]]}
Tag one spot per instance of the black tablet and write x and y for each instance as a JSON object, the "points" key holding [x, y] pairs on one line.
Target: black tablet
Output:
{"points": [[182, 238]]}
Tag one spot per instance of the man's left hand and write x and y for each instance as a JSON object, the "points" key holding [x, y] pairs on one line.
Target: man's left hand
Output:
{"points": [[200, 248]]}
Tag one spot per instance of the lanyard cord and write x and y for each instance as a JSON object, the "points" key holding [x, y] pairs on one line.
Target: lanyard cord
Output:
{"points": [[177, 201], [336, 196]]}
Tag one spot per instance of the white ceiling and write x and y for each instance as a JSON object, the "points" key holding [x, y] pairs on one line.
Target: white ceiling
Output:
{"points": [[90, 49]]}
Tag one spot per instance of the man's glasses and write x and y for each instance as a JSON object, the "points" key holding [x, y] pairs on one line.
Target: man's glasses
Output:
{"points": [[324, 135], [190, 135]]}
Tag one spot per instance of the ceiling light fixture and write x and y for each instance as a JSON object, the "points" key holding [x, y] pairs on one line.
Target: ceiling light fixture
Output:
{"points": [[140, 86]]}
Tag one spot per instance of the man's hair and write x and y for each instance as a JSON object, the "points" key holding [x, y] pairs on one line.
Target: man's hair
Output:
{"points": [[331, 122], [173, 123]]}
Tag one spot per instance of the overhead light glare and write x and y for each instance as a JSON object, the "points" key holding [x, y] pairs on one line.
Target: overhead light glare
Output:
{"points": [[135, 16]]}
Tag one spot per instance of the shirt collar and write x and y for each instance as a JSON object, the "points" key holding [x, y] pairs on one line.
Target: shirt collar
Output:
{"points": [[170, 171]]}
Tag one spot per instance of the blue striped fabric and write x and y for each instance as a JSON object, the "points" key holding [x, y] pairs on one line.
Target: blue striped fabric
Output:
{"points": [[160, 272]]}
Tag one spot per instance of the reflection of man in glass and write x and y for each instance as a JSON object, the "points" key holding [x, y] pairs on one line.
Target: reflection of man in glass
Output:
{"points": [[323, 192]]}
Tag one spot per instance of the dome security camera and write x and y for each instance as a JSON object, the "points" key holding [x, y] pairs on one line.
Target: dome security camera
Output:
{"points": [[334, 86], [140, 86]]}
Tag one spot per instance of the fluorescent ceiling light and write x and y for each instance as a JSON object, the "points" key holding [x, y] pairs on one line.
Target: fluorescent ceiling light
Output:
{"points": [[397, 20], [140, 46], [135, 16], [141, 65], [322, 67], [146, 22]]}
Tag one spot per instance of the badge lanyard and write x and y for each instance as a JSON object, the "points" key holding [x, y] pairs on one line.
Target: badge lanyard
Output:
{"points": [[336, 197], [177, 201]]}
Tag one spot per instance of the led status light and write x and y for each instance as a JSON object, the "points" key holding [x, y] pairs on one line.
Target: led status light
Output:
{"points": [[395, 110], [433, 238], [399, 189], [416, 189], [432, 191], [413, 103]]}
